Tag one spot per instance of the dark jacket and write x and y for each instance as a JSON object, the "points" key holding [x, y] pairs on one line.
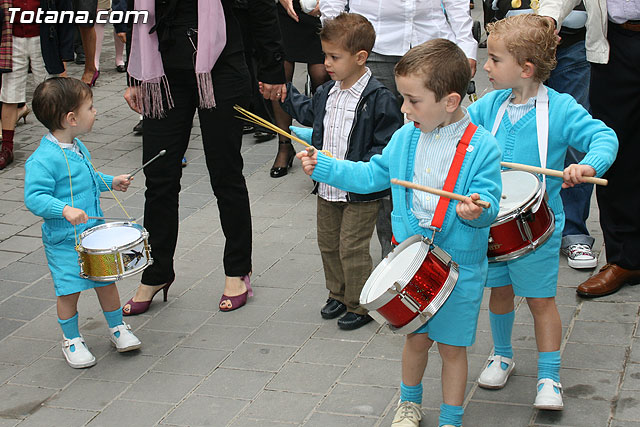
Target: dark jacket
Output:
{"points": [[377, 118]]}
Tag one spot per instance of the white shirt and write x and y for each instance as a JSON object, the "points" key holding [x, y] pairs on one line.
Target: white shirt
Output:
{"points": [[434, 154], [403, 24], [72, 146], [339, 114]]}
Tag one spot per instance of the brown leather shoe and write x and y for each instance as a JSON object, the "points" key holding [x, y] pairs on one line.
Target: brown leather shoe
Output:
{"points": [[609, 280]]}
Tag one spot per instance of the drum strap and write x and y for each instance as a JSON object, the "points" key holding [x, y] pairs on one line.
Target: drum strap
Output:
{"points": [[452, 176]]}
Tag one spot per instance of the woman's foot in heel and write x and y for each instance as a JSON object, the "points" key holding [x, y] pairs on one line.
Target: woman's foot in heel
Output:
{"points": [[236, 292], [23, 113], [284, 159], [141, 302]]}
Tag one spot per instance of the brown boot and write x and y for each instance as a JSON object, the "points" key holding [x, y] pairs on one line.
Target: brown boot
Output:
{"points": [[609, 280]]}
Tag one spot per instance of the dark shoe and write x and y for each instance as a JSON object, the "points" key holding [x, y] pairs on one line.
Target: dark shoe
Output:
{"points": [[263, 136], [80, 59], [6, 157], [609, 280], [332, 309], [137, 129], [248, 129], [352, 321], [482, 44], [120, 68], [280, 171]]}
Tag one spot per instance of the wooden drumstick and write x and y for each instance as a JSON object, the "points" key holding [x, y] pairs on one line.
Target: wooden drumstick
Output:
{"points": [[160, 154], [550, 172], [442, 193]]}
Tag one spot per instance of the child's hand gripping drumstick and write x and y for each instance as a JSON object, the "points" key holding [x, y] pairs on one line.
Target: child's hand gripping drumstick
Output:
{"points": [[470, 208], [309, 159]]}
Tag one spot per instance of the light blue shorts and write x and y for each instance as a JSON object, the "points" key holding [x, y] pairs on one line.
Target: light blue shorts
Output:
{"points": [[534, 275], [457, 320]]}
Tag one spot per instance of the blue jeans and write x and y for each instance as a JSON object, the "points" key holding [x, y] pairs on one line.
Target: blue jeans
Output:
{"points": [[572, 76]]}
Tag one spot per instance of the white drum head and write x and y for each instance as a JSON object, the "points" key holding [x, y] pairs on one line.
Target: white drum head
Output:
{"points": [[107, 238], [391, 271], [518, 187]]}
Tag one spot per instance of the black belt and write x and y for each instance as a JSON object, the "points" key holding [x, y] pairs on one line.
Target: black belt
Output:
{"points": [[630, 25]]}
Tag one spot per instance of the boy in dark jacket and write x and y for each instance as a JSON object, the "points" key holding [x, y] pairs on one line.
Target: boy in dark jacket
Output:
{"points": [[353, 117]]}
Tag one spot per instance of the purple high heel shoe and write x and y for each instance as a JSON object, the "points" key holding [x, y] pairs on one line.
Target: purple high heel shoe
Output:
{"points": [[139, 307], [238, 300]]}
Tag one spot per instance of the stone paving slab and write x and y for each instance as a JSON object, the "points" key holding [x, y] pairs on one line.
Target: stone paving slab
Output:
{"points": [[276, 362]]}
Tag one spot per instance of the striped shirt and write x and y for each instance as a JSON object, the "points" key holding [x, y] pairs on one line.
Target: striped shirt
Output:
{"points": [[434, 154], [339, 115], [518, 111]]}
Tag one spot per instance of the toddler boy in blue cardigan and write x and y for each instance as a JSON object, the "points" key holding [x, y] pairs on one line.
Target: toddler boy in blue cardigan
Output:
{"points": [[521, 56], [62, 187], [433, 79]]}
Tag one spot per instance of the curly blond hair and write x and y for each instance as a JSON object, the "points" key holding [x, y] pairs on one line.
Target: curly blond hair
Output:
{"points": [[529, 38]]}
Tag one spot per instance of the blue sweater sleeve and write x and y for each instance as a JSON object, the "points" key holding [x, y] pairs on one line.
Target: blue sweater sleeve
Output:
{"points": [[486, 180], [356, 177], [38, 191], [590, 136]]}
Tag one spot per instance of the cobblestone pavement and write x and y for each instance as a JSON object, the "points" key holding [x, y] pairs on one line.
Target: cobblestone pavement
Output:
{"points": [[275, 362]]}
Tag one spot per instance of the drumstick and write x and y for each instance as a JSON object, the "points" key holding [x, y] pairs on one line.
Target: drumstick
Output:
{"points": [[160, 154], [257, 120], [111, 218], [551, 172], [447, 194]]}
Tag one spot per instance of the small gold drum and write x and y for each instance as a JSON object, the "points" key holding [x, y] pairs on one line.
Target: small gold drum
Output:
{"points": [[112, 251]]}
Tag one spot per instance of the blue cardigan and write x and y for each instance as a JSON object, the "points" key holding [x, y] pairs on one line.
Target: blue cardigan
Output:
{"points": [[569, 124], [466, 241], [47, 190]]}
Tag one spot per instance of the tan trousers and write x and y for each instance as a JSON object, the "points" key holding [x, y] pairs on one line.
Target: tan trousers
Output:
{"points": [[344, 235]]}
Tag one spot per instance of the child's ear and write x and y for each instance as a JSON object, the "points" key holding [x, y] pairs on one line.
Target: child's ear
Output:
{"points": [[70, 119], [528, 70], [453, 102], [361, 57]]}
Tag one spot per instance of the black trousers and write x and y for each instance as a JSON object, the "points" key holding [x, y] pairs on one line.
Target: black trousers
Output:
{"points": [[222, 140], [615, 99]]}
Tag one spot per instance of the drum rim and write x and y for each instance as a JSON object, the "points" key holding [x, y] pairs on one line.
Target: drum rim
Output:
{"points": [[514, 213], [144, 235], [532, 245], [386, 295]]}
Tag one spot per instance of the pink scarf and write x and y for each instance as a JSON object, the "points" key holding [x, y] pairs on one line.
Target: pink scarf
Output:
{"points": [[145, 62]]}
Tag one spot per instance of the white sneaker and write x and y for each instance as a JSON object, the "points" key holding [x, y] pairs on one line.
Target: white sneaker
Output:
{"points": [[77, 353], [408, 414], [549, 395], [580, 256], [124, 340], [495, 375]]}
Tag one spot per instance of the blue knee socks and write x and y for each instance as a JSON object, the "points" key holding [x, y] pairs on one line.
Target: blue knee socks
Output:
{"points": [[549, 365], [114, 318], [70, 327], [501, 328], [411, 393], [450, 415]]}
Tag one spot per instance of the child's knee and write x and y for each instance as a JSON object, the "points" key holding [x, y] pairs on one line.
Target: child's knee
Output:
{"points": [[418, 342], [502, 293], [541, 305], [451, 352]]}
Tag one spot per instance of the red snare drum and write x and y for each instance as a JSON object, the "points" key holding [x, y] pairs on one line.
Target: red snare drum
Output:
{"points": [[409, 285], [518, 230]]}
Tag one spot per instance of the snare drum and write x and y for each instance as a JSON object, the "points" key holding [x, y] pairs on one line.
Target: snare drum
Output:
{"points": [[409, 285], [111, 251], [518, 230]]}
